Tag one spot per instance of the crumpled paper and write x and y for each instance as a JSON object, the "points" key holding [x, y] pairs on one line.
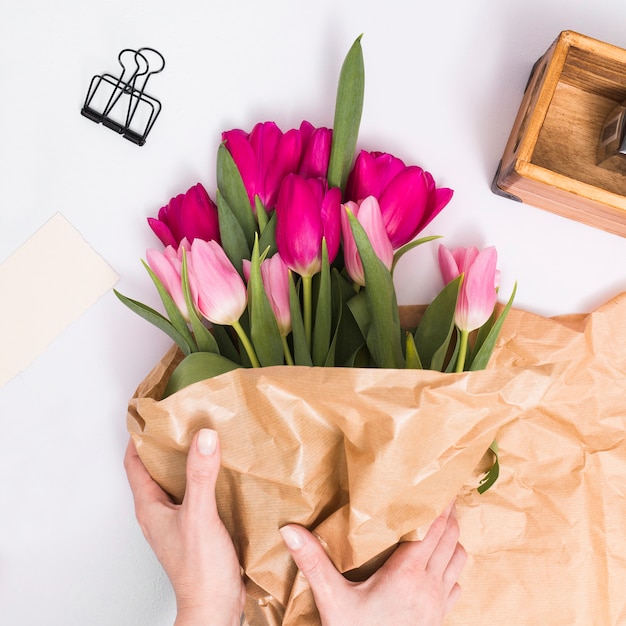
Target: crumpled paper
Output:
{"points": [[368, 457]]}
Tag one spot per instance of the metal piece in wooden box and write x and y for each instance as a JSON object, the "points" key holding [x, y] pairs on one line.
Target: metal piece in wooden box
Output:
{"points": [[550, 159]]}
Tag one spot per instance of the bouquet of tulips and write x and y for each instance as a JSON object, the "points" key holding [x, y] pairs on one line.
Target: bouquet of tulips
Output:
{"points": [[293, 263], [290, 269]]}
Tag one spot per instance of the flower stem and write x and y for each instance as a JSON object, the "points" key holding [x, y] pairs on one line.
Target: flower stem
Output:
{"points": [[286, 351], [460, 362], [307, 282], [246, 344]]}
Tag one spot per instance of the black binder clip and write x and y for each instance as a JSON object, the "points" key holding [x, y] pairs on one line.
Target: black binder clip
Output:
{"points": [[120, 103]]}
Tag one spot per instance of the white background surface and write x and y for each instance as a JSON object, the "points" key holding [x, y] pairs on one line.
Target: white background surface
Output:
{"points": [[443, 84]]}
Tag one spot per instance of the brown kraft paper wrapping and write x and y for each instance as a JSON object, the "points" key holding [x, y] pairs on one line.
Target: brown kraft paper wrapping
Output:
{"points": [[368, 457]]}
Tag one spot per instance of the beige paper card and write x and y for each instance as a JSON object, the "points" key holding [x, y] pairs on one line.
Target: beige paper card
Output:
{"points": [[44, 286]]}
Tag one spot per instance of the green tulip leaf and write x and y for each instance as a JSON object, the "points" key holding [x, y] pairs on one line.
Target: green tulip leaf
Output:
{"points": [[205, 340], [196, 367], [224, 339], [348, 110], [268, 236], [231, 187], [492, 475], [261, 214], [244, 321], [233, 238], [481, 336], [264, 331], [158, 320], [400, 252], [323, 312], [384, 334], [337, 315], [302, 355], [360, 312], [455, 353], [173, 312], [483, 355], [412, 357], [432, 337], [348, 336]]}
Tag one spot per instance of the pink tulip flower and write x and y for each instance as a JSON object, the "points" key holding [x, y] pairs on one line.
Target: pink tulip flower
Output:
{"points": [[307, 211], [368, 214], [167, 266], [408, 198], [478, 294], [275, 276], [216, 288], [192, 215]]}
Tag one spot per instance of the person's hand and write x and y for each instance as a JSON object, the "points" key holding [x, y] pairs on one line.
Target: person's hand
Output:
{"points": [[189, 539], [417, 585]]}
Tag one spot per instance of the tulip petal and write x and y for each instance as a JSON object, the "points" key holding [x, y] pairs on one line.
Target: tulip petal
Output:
{"points": [[162, 231], [315, 153], [285, 159], [168, 272], [369, 215], [447, 264], [403, 204], [236, 141], [331, 221], [199, 219], [363, 180], [275, 276], [351, 257]]}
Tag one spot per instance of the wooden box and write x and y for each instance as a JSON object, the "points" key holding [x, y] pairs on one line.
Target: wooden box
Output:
{"points": [[550, 159]]}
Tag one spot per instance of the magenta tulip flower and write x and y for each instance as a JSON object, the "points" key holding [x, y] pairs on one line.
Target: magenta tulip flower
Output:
{"points": [[167, 266], [478, 294], [216, 288], [264, 157], [307, 211], [407, 195], [369, 216], [192, 215]]}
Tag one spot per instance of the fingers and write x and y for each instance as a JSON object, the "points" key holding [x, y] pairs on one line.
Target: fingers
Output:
{"points": [[419, 553], [203, 464], [439, 554], [453, 596], [455, 567], [145, 489], [313, 562], [446, 546]]}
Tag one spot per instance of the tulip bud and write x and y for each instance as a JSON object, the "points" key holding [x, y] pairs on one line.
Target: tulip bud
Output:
{"points": [[167, 266], [368, 214], [307, 211], [192, 215], [275, 275], [478, 294], [216, 287]]}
